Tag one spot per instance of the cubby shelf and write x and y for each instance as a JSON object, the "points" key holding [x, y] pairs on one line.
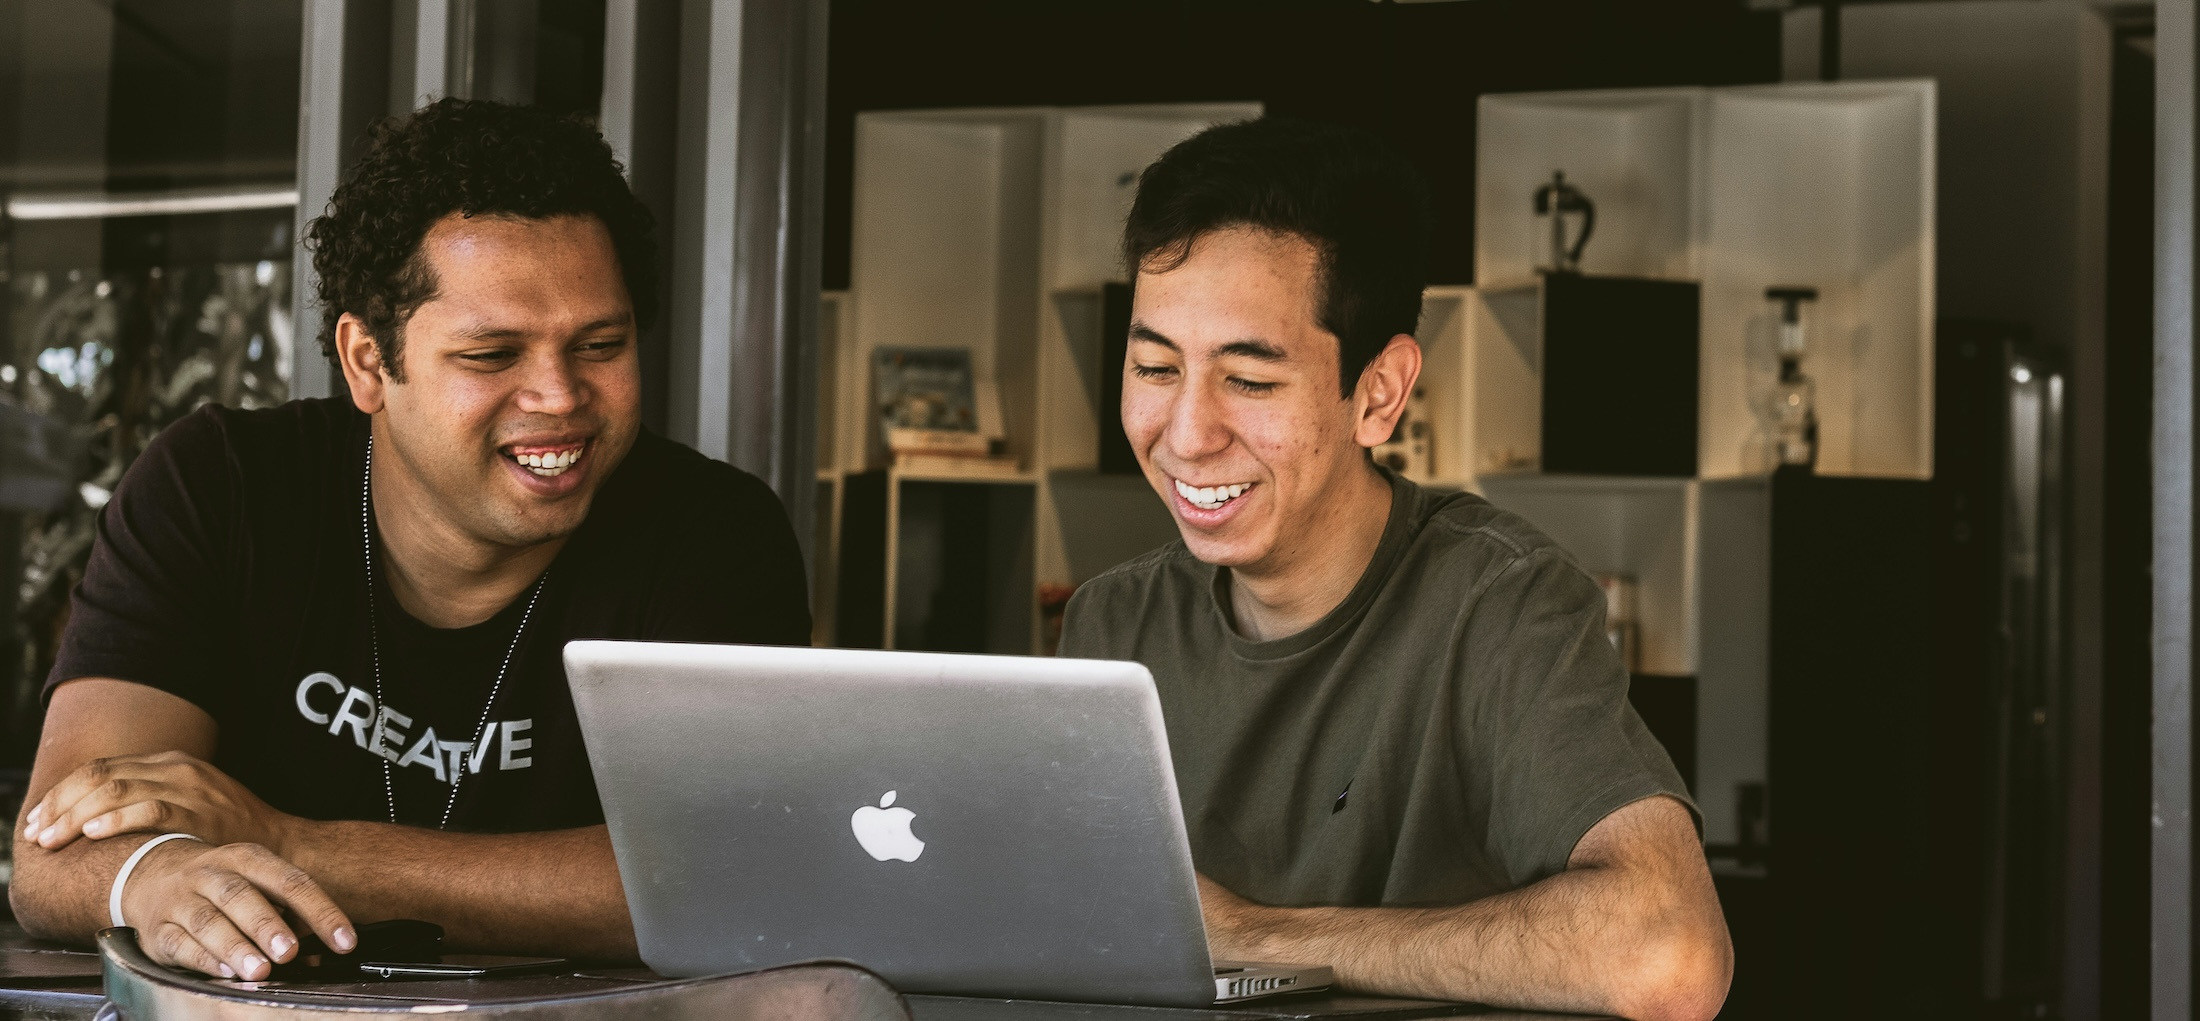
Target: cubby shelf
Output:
{"points": [[1827, 185]]}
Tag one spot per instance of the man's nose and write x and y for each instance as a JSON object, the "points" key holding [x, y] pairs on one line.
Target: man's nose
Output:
{"points": [[551, 387], [1196, 425]]}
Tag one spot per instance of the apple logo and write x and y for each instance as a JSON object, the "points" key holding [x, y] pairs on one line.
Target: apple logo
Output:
{"points": [[884, 831]]}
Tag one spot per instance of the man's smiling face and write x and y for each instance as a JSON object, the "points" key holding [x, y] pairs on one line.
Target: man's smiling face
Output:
{"points": [[521, 389], [1231, 398]]}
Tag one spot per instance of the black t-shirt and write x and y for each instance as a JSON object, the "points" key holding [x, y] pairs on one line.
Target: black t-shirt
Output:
{"points": [[228, 570]]}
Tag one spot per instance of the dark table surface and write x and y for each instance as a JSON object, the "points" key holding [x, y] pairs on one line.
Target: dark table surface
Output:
{"points": [[45, 980]]}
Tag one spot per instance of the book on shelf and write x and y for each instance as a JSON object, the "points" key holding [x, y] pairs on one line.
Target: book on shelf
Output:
{"points": [[924, 388], [946, 442], [931, 404], [989, 466]]}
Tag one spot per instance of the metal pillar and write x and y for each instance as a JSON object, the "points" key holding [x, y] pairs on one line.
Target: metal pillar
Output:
{"points": [[745, 243], [344, 73], [640, 118], [361, 60], [2174, 461]]}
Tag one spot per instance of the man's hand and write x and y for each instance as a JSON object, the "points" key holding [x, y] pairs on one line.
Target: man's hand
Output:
{"points": [[213, 909], [553, 894], [1632, 927], [159, 793]]}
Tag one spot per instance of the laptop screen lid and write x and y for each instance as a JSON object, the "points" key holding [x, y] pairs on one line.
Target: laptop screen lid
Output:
{"points": [[995, 825]]}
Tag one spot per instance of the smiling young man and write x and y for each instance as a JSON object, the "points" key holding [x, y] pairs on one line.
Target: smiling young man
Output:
{"points": [[324, 641], [1403, 743]]}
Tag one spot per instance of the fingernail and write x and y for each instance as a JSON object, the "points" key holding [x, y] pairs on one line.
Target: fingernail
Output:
{"points": [[228, 972], [344, 939], [47, 833], [96, 826], [280, 945], [252, 963]]}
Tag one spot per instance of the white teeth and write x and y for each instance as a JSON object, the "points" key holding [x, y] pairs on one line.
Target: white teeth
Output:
{"points": [[549, 465], [1211, 497]]}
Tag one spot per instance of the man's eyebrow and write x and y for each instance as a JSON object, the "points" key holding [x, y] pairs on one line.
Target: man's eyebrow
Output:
{"points": [[492, 331], [1141, 331], [1258, 350]]}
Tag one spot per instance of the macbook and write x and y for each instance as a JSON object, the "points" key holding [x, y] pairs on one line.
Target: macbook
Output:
{"points": [[979, 825]]}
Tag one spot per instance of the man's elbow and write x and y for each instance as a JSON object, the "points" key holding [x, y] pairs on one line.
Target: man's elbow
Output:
{"points": [[31, 903], [1682, 975]]}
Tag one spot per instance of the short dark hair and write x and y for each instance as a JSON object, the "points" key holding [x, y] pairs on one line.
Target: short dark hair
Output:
{"points": [[1346, 192], [472, 157]]}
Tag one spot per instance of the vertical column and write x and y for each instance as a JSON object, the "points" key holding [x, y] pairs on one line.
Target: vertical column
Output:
{"points": [[701, 315], [2174, 238], [431, 52], [361, 60], [344, 84], [746, 241], [640, 118]]}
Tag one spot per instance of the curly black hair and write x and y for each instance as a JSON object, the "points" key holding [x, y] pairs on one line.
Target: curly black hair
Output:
{"points": [[1345, 191], [470, 157]]}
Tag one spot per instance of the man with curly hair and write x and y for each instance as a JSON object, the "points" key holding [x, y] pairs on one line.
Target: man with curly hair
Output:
{"points": [[315, 663]]}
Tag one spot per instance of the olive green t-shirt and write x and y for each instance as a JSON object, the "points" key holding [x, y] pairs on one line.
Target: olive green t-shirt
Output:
{"points": [[1448, 732]]}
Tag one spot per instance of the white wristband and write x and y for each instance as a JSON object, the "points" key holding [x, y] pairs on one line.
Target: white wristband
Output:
{"points": [[129, 865]]}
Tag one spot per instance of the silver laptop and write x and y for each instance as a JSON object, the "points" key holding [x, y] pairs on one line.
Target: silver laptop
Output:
{"points": [[981, 825]]}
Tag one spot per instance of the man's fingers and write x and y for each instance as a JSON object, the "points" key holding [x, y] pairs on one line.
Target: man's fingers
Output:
{"points": [[57, 813], [171, 944], [61, 796], [86, 780], [211, 926], [114, 795], [288, 885], [155, 815], [249, 910]]}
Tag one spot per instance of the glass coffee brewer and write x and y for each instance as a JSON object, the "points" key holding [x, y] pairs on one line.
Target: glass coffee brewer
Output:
{"points": [[1787, 411]]}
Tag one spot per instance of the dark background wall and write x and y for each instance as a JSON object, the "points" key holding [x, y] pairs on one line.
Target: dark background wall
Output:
{"points": [[1410, 72]]}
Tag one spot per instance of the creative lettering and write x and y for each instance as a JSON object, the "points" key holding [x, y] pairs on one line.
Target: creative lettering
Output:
{"points": [[381, 730]]}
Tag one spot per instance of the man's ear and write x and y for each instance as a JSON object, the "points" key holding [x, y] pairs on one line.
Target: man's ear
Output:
{"points": [[361, 360], [1384, 387]]}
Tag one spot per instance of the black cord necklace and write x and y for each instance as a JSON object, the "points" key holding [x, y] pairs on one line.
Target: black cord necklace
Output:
{"points": [[374, 647]]}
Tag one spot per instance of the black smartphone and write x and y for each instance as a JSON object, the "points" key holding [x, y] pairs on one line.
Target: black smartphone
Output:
{"points": [[465, 966], [397, 939]]}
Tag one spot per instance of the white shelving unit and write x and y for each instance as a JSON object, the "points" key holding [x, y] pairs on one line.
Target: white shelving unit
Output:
{"points": [[1827, 185], [994, 230]]}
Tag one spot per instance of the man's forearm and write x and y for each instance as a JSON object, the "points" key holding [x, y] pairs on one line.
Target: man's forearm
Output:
{"points": [[1585, 939], [555, 892], [62, 894]]}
